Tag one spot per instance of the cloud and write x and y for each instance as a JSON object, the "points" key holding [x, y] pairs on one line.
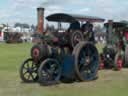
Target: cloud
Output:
{"points": [[20, 10], [47, 3], [24, 3], [53, 9], [84, 10], [110, 9], [25, 10]]}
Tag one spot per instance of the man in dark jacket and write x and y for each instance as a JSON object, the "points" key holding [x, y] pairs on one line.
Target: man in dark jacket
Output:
{"points": [[87, 29]]}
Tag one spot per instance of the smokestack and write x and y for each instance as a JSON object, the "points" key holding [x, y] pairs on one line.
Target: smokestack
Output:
{"points": [[40, 13], [110, 29]]}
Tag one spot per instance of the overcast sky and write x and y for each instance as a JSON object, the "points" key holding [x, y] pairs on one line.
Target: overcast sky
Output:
{"points": [[24, 11]]}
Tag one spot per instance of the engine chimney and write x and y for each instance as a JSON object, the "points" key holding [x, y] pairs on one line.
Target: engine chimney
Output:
{"points": [[110, 24], [40, 14]]}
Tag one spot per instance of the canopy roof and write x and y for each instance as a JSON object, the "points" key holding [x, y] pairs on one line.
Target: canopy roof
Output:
{"points": [[117, 24], [63, 17]]}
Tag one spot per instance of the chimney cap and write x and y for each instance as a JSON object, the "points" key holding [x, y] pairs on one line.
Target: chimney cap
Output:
{"points": [[40, 8], [110, 21]]}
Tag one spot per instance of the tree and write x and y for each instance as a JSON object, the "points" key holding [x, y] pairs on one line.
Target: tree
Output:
{"points": [[18, 25], [22, 25], [124, 21], [33, 28], [25, 25]]}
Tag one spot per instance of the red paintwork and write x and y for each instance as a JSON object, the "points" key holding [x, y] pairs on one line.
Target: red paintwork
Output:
{"points": [[36, 53], [119, 63], [40, 25], [0, 34], [126, 35], [101, 66]]}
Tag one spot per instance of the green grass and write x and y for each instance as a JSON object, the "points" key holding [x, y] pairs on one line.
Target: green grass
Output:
{"points": [[110, 83]]}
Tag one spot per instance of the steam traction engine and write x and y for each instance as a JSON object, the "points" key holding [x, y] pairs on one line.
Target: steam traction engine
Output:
{"points": [[61, 55], [115, 54]]}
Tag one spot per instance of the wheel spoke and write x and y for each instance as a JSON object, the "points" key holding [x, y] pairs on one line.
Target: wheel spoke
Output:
{"points": [[86, 72], [87, 61], [28, 71], [49, 71], [43, 73], [34, 68], [83, 68], [25, 72], [24, 68], [27, 64], [32, 76], [29, 77], [32, 64], [50, 75]]}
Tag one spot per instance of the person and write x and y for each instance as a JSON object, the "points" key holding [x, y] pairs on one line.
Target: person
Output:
{"points": [[74, 26], [87, 29], [125, 37]]}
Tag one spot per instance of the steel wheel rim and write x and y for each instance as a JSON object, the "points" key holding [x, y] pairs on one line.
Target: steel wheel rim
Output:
{"points": [[29, 71], [91, 67], [76, 38], [50, 71]]}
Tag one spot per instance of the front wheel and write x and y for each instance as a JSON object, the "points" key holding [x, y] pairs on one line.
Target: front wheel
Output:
{"points": [[49, 72], [28, 71]]}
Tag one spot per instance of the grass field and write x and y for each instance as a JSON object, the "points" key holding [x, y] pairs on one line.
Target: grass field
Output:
{"points": [[110, 83]]}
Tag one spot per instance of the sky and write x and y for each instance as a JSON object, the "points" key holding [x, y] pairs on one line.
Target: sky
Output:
{"points": [[24, 11]]}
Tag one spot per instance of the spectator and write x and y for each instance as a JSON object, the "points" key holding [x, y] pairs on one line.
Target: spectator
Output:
{"points": [[74, 26]]}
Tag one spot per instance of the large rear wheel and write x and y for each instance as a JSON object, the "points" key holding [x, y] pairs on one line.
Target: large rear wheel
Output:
{"points": [[86, 61]]}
